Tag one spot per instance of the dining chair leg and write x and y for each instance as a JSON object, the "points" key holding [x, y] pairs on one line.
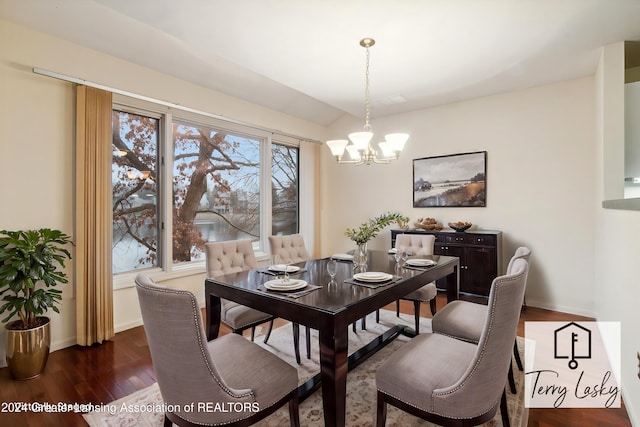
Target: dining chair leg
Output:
{"points": [[308, 337], [416, 315], [296, 340], [512, 381], [381, 413], [378, 316], [432, 305], [504, 410], [398, 308], [516, 355], [266, 337], [253, 333], [364, 323], [167, 421]]}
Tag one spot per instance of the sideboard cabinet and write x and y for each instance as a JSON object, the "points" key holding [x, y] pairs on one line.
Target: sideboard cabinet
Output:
{"points": [[480, 254]]}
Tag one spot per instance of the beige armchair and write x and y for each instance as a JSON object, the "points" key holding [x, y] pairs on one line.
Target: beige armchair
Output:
{"points": [[230, 257], [464, 319], [229, 369], [452, 382]]}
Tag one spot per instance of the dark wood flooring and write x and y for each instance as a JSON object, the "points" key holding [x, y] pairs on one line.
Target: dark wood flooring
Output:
{"points": [[103, 373]]}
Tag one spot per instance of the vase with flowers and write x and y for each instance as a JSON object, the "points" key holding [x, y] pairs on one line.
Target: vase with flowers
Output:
{"points": [[367, 231]]}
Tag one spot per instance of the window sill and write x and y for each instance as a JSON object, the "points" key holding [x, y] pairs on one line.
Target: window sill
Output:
{"points": [[127, 280]]}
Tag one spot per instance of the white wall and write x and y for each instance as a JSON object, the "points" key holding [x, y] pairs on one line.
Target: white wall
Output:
{"points": [[617, 246], [540, 181], [37, 138]]}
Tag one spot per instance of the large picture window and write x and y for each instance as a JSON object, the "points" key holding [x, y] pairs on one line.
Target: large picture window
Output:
{"points": [[179, 182]]}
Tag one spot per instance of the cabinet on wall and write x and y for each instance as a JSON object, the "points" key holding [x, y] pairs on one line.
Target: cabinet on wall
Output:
{"points": [[480, 254]]}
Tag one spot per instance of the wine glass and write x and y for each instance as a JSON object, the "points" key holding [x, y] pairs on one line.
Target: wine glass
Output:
{"points": [[285, 277], [405, 255], [397, 255], [332, 266]]}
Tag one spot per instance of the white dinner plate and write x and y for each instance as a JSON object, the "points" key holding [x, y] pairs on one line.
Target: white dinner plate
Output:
{"points": [[344, 257], [392, 251], [372, 276], [421, 262], [279, 285], [282, 267]]}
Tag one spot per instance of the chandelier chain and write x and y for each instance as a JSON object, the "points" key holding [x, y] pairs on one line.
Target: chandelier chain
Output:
{"points": [[367, 104]]}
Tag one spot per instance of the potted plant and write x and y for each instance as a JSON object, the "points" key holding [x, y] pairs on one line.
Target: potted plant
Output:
{"points": [[367, 231], [29, 258]]}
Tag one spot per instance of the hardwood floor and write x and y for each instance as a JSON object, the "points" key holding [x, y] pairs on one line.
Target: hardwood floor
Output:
{"points": [[101, 374]]}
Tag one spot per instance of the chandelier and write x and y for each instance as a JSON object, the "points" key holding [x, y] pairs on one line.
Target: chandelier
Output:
{"points": [[360, 150]]}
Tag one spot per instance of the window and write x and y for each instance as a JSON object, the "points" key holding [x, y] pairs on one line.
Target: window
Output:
{"points": [[134, 180], [284, 189], [180, 180], [216, 188]]}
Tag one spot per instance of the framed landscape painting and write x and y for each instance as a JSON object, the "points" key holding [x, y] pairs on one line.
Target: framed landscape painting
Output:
{"points": [[456, 180]]}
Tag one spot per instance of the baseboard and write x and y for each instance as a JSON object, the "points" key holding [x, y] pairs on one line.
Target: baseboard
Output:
{"points": [[562, 309], [632, 409], [60, 344], [128, 325]]}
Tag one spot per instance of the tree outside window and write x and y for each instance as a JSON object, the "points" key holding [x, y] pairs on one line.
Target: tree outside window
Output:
{"points": [[216, 189]]}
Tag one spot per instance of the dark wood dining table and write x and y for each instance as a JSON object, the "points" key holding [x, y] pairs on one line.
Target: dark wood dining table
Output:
{"points": [[330, 309]]}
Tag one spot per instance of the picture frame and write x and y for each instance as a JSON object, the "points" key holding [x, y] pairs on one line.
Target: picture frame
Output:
{"points": [[453, 180]]}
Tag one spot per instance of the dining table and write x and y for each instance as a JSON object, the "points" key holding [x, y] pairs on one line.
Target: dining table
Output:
{"points": [[330, 305]]}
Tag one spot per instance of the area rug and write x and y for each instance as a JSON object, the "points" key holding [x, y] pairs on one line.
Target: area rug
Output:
{"points": [[361, 391]]}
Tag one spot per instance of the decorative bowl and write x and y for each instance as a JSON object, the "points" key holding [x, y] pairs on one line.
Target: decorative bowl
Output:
{"points": [[460, 226], [428, 224]]}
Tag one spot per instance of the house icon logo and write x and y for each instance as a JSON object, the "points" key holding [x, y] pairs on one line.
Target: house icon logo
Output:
{"points": [[572, 341]]}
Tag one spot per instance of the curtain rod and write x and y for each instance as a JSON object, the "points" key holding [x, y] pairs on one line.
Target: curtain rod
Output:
{"points": [[165, 103]]}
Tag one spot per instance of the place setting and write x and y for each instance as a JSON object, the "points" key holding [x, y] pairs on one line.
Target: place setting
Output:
{"points": [[342, 257], [372, 279], [419, 263], [279, 269], [285, 285]]}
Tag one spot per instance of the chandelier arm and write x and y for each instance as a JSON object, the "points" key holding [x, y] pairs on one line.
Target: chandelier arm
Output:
{"points": [[350, 162]]}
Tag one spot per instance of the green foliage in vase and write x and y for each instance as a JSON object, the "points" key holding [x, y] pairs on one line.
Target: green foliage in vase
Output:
{"points": [[370, 229], [26, 259]]}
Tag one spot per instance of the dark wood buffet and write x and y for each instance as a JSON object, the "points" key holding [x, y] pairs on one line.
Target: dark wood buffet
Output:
{"points": [[480, 253]]}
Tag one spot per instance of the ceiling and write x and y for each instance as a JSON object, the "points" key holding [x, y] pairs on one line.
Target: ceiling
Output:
{"points": [[304, 58]]}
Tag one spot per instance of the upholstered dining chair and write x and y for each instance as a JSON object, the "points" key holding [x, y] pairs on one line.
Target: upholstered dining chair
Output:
{"points": [[232, 256], [464, 319], [291, 249], [420, 245], [229, 369], [452, 382], [288, 249]]}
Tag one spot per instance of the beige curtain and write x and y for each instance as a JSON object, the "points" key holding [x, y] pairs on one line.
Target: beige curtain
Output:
{"points": [[94, 286]]}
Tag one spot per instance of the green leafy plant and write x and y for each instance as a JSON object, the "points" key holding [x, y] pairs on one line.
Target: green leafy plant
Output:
{"points": [[370, 229], [27, 258]]}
